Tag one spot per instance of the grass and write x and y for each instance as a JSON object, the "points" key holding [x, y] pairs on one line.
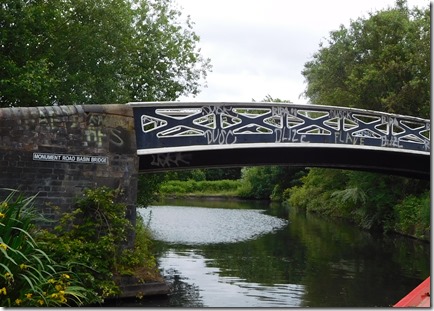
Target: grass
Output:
{"points": [[178, 188]]}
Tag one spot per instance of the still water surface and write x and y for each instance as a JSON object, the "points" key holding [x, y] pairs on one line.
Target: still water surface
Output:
{"points": [[252, 254]]}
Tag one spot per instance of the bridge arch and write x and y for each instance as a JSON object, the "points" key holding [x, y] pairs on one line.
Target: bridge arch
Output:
{"points": [[174, 135]]}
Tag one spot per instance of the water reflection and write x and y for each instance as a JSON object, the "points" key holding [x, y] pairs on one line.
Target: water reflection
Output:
{"points": [[239, 258], [191, 225], [218, 290]]}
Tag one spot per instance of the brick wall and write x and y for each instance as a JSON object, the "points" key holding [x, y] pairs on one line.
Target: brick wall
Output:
{"points": [[57, 151]]}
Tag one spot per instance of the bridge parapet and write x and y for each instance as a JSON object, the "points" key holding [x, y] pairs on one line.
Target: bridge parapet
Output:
{"points": [[173, 127], [175, 135]]}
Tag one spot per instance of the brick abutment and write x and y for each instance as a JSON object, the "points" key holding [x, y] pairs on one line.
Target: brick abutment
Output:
{"points": [[57, 152]]}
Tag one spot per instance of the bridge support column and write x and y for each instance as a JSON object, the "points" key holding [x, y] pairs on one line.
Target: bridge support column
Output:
{"points": [[56, 152]]}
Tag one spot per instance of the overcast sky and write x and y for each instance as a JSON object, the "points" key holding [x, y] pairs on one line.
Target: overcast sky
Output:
{"points": [[259, 47]]}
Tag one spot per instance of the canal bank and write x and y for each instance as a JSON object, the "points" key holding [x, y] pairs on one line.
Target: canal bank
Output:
{"points": [[132, 287], [196, 198]]}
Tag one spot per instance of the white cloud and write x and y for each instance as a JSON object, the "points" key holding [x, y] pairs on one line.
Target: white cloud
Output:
{"points": [[259, 47]]}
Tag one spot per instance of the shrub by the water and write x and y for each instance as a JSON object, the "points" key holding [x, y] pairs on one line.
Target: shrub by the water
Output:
{"points": [[413, 216], [28, 275], [95, 234], [79, 261]]}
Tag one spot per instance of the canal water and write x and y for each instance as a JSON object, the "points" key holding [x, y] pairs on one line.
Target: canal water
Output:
{"points": [[253, 254]]}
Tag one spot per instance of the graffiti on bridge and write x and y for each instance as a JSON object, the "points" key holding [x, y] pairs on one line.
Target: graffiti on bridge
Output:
{"points": [[221, 125]]}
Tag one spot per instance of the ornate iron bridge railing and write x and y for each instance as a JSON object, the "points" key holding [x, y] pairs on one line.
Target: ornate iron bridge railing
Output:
{"points": [[166, 127]]}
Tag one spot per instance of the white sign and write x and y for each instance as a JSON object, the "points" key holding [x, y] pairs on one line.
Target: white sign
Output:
{"points": [[56, 157]]}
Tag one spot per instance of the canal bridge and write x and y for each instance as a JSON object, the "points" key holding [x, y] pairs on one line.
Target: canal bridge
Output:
{"points": [[173, 135], [56, 152]]}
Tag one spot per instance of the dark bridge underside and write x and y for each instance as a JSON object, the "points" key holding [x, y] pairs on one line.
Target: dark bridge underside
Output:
{"points": [[414, 165]]}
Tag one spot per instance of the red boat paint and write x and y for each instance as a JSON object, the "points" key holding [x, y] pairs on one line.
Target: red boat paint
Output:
{"points": [[418, 297]]}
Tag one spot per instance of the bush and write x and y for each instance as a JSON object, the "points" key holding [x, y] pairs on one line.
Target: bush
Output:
{"points": [[316, 193], [28, 275], [258, 182], [95, 235], [372, 201], [148, 187], [269, 182], [412, 216]]}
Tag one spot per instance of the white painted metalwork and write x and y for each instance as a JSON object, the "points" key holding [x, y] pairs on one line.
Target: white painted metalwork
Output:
{"points": [[164, 127]]}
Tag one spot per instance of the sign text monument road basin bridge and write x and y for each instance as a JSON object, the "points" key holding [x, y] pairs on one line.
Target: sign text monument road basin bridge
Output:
{"points": [[177, 135]]}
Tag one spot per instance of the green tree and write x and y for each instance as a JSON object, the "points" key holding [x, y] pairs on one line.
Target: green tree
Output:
{"points": [[268, 182], [86, 52], [381, 63], [148, 188], [233, 173], [270, 99]]}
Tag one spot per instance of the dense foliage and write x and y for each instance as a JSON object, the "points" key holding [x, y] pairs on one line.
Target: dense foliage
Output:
{"points": [[103, 51], [381, 62], [370, 200], [413, 216], [213, 181], [205, 174], [29, 276], [268, 182], [148, 188], [96, 235]]}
